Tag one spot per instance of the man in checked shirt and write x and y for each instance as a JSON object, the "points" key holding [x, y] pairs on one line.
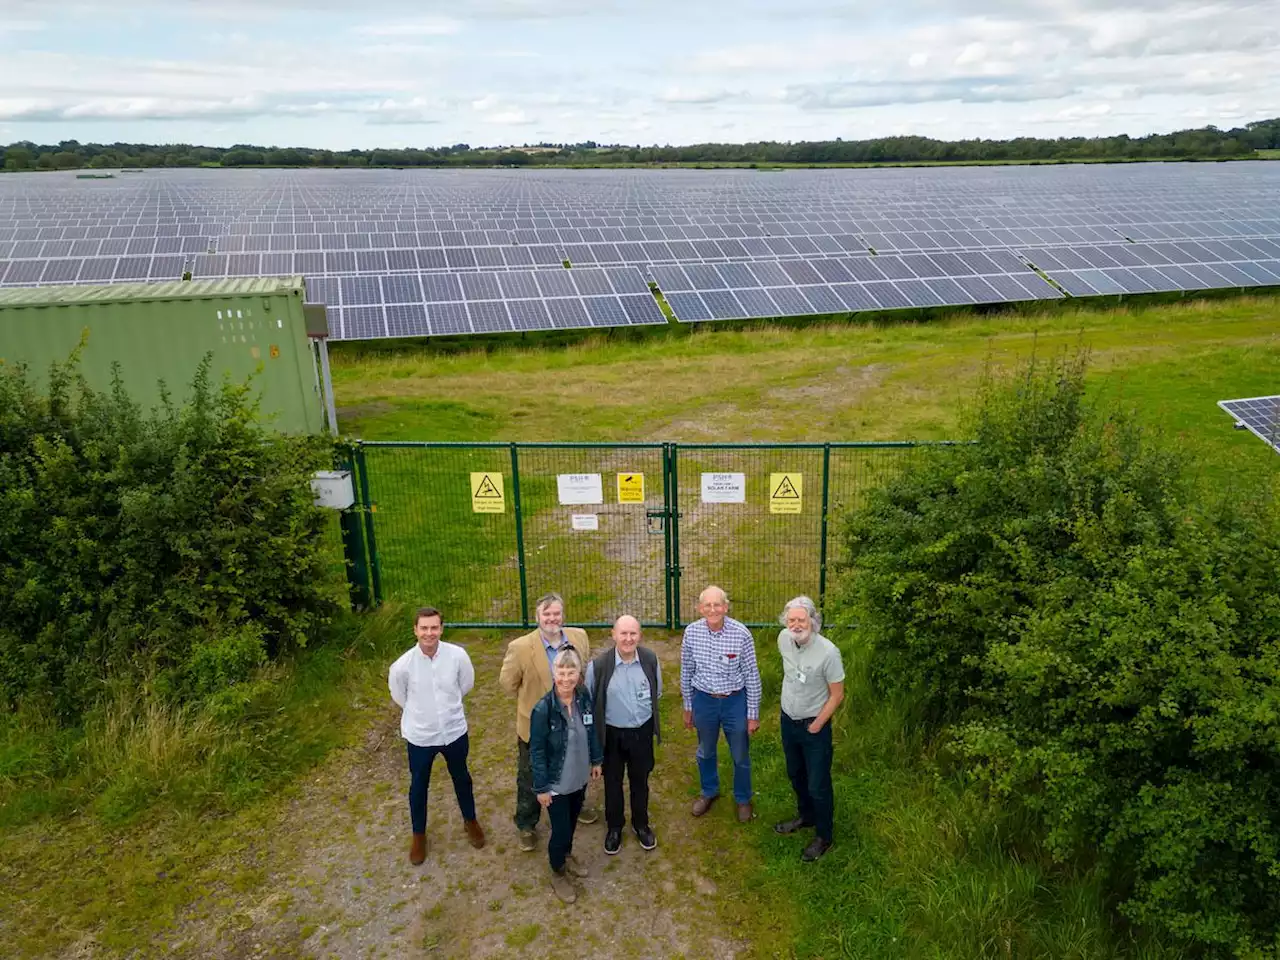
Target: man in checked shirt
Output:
{"points": [[720, 684]]}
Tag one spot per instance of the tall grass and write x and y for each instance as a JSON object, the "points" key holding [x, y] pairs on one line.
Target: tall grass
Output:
{"points": [[137, 749]]}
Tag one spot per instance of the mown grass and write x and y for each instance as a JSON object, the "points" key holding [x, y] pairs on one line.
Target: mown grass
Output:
{"points": [[835, 381]]}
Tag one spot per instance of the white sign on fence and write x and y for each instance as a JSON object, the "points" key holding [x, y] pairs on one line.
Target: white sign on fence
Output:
{"points": [[586, 521], [576, 488], [724, 488]]}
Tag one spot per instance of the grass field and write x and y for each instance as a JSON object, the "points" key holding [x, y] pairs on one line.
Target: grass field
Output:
{"points": [[849, 381], [179, 816]]}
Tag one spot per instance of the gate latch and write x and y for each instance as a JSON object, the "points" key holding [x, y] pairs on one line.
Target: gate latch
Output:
{"points": [[657, 521]]}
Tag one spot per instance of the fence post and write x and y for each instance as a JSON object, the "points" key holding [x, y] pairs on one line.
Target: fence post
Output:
{"points": [[675, 536], [666, 530], [355, 560], [368, 507], [822, 550], [515, 496]]}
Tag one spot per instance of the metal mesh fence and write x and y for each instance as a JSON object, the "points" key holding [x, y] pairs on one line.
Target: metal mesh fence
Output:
{"points": [[607, 562], [481, 530], [761, 557], [431, 546]]}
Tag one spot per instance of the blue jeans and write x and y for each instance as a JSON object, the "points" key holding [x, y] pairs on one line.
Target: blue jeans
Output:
{"points": [[710, 716], [420, 760]]}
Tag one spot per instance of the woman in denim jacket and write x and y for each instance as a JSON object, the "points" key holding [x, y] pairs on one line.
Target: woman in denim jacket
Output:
{"points": [[565, 752]]}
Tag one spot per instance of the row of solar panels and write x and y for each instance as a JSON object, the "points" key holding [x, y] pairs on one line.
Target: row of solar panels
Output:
{"points": [[373, 322], [857, 264], [26, 242], [343, 253], [361, 306]]}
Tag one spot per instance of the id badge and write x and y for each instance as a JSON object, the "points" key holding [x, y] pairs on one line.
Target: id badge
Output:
{"points": [[587, 719], [642, 694], [800, 676]]}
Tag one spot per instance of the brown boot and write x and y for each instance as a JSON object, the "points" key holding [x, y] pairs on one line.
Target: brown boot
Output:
{"points": [[475, 833], [418, 852], [702, 805], [746, 813], [563, 886]]}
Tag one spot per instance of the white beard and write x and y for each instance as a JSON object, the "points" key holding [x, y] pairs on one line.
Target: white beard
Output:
{"points": [[801, 637]]}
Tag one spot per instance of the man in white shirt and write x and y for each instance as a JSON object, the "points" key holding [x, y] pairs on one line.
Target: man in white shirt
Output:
{"points": [[428, 683]]}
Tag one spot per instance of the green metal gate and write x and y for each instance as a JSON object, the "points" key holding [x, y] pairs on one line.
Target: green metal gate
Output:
{"points": [[481, 530]]}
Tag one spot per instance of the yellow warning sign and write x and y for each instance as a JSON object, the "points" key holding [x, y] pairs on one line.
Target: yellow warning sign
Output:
{"points": [[486, 493], [631, 488], [785, 491]]}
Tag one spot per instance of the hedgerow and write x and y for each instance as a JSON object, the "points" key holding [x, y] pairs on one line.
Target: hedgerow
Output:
{"points": [[1097, 643], [178, 545]]}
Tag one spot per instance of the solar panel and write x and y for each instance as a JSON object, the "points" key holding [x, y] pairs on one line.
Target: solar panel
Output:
{"points": [[1259, 415], [769, 245]]}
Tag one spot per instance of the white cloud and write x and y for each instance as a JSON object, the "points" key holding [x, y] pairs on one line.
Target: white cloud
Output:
{"points": [[516, 70], [421, 27]]}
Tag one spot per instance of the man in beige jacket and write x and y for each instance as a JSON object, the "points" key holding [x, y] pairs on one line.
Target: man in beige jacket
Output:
{"points": [[526, 675]]}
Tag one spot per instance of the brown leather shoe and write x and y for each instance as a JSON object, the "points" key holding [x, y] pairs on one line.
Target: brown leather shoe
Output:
{"points": [[475, 833], [702, 805], [418, 852], [563, 886], [745, 813]]}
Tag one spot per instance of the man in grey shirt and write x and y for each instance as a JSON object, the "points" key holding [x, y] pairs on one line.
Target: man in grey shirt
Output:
{"points": [[812, 688], [625, 682]]}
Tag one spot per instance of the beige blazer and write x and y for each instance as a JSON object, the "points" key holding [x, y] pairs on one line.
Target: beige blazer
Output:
{"points": [[527, 676]]}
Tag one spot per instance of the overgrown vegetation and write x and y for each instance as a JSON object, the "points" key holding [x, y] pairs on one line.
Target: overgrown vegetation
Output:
{"points": [[1203, 142], [176, 549], [1097, 644]]}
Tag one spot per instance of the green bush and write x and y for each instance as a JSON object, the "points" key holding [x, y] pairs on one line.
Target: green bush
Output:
{"points": [[179, 545], [1102, 648]]}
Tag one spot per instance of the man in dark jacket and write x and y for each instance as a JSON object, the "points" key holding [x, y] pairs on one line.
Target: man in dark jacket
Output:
{"points": [[625, 684], [564, 754]]}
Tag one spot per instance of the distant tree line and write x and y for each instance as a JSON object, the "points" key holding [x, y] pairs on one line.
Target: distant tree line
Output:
{"points": [[1204, 142]]}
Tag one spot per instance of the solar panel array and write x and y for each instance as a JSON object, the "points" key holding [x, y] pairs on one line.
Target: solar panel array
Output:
{"points": [[436, 252], [1260, 415]]}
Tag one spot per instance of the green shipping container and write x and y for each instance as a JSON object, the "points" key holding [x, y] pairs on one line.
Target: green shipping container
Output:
{"points": [[162, 331]]}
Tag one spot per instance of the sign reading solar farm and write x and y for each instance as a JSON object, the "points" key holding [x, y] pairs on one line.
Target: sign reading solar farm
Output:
{"points": [[579, 488], [487, 495], [785, 492], [724, 488], [631, 488]]}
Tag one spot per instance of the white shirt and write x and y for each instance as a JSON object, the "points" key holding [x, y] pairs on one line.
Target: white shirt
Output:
{"points": [[430, 692]]}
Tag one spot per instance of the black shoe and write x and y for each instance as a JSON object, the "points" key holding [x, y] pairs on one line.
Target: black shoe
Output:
{"points": [[816, 848], [612, 841], [647, 840], [791, 826]]}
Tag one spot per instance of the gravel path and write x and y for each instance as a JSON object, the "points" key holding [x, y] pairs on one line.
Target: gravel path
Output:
{"points": [[334, 880]]}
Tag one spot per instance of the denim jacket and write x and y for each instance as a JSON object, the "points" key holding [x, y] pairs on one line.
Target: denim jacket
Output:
{"points": [[549, 735]]}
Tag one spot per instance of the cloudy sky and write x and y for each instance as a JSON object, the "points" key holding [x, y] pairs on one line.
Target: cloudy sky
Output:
{"points": [[336, 74]]}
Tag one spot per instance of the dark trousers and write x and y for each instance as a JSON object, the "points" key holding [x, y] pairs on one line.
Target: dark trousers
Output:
{"points": [[627, 750], [455, 758], [808, 757], [528, 810], [563, 814]]}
